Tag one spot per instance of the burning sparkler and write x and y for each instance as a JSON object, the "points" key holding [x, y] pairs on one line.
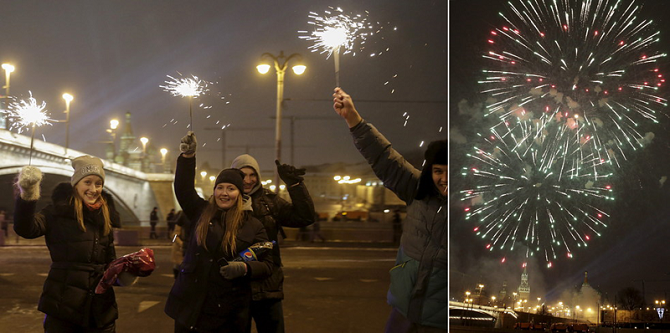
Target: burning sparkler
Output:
{"points": [[335, 32], [186, 87], [27, 113]]}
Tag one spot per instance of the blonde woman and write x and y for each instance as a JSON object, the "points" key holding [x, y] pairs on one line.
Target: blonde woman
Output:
{"points": [[77, 228], [212, 293]]}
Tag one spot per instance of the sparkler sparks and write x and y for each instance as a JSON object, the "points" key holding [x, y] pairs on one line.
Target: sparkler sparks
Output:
{"points": [[335, 30], [27, 114], [185, 87]]}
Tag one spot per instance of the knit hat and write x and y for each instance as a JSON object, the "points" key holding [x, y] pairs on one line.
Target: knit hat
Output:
{"points": [[86, 165], [436, 153], [232, 176], [249, 161]]}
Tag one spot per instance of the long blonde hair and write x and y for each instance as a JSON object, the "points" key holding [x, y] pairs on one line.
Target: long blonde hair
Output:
{"points": [[232, 222], [79, 210]]}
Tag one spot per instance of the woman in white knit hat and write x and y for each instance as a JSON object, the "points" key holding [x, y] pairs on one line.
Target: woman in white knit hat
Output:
{"points": [[77, 226]]}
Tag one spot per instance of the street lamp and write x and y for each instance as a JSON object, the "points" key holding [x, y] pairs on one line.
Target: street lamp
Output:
{"points": [[113, 124], [8, 71], [480, 287], [68, 98], [144, 141], [280, 63], [203, 174], [163, 153]]}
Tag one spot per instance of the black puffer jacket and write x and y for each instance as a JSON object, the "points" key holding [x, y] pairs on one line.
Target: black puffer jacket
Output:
{"points": [[201, 298], [275, 213], [79, 258]]}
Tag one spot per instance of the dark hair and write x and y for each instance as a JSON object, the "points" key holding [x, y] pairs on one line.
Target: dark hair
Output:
{"points": [[436, 153]]}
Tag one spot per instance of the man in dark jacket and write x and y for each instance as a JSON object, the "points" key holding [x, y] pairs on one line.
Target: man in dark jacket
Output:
{"points": [[275, 213]]}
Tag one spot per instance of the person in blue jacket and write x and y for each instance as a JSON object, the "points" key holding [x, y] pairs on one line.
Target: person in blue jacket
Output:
{"points": [[418, 290]]}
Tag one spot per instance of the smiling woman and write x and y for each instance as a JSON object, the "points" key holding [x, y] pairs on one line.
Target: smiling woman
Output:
{"points": [[77, 229]]}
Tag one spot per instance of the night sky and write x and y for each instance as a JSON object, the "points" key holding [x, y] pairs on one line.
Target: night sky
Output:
{"points": [[112, 56], [635, 245]]}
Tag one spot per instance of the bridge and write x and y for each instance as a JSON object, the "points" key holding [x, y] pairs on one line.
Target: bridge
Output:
{"points": [[135, 193], [468, 312]]}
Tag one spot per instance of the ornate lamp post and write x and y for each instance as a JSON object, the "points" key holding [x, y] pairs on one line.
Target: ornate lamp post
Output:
{"points": [[280, 63], [68, 98], [164, 152], [8, 71]]}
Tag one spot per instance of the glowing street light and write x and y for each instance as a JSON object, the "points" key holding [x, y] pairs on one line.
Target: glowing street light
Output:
{"points": [[68, 98], [113, 125], [164, 152], [280, 63], [8, 71]]}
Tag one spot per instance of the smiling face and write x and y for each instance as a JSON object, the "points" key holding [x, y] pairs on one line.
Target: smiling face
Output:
{"points": [[89, 189], [440, 178], [225, 195], [250, 179]]}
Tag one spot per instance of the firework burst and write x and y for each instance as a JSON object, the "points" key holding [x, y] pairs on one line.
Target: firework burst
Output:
{"points": [[590, 59], [537, 189]]}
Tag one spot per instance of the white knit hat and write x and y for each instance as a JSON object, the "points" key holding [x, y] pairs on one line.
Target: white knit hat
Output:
{"points": [[86, 165]]}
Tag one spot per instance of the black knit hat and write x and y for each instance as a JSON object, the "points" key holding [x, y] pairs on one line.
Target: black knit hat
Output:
{"points": [[232, 176], [436, 153]]}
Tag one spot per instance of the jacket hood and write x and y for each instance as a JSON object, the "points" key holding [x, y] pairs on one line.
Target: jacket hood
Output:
{"points": [[247, 160]]}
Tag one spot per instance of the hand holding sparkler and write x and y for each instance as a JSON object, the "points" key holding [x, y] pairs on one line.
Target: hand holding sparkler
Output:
{"points": [[344, 106], [29, 183], [188, 145]]}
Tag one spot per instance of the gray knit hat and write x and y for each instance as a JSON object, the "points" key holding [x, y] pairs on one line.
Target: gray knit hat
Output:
{"points": [[86, 165]]}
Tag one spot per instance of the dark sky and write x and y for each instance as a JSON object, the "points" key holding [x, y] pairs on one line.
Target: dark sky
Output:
{"points": [[112, 56], [635, 245]]}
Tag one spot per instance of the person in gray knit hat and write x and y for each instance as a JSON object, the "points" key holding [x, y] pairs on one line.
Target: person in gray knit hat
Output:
{"points": [[418, 287], [275, 213], [77, 228]]}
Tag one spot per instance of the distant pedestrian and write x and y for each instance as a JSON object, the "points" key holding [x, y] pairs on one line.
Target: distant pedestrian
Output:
{"points": [[171, 222], [3, 222], [153, 220], [302, 234], [397, 226], [316, 232]]}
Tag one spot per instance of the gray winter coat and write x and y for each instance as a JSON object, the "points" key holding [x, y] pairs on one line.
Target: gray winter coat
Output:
{"points": [[419, 280]]}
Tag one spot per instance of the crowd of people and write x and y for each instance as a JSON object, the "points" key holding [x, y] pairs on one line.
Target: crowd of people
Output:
{"points": [[215, 290]]}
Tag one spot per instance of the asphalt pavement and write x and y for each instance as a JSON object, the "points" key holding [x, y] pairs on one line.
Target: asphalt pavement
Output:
{"points": [[330, 287]]}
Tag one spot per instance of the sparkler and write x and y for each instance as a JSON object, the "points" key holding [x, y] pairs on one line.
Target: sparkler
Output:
{"points": [[335, 32], [27, 113], [186, 87]]}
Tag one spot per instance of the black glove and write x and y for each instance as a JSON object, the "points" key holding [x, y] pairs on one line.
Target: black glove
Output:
{"points": [[233, 270], [188, 143], [289, 174]]}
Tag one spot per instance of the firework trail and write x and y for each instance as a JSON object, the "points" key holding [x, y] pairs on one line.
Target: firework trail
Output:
{"points": [[591, 59]]}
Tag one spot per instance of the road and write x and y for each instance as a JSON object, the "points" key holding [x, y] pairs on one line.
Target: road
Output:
{"points": [[329, 288]]}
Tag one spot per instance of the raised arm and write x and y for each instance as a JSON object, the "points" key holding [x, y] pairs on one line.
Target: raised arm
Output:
{"points": [[184, 178], [300, 211], [27, 224], [388, 165]]}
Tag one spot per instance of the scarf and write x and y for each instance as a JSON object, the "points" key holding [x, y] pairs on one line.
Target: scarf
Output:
{"points": [[94, 206]]}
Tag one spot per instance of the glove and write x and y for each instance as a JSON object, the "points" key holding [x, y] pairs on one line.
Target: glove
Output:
{"points": [[29, 183], [188, 143], [289, 174], [233, 270]]}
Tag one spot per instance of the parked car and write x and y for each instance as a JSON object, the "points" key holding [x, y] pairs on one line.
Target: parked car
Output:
{"points": [[582, 328], [559, 327]]}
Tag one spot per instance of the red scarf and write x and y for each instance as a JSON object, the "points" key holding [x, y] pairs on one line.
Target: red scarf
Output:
{"points": [[94, 206]]}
